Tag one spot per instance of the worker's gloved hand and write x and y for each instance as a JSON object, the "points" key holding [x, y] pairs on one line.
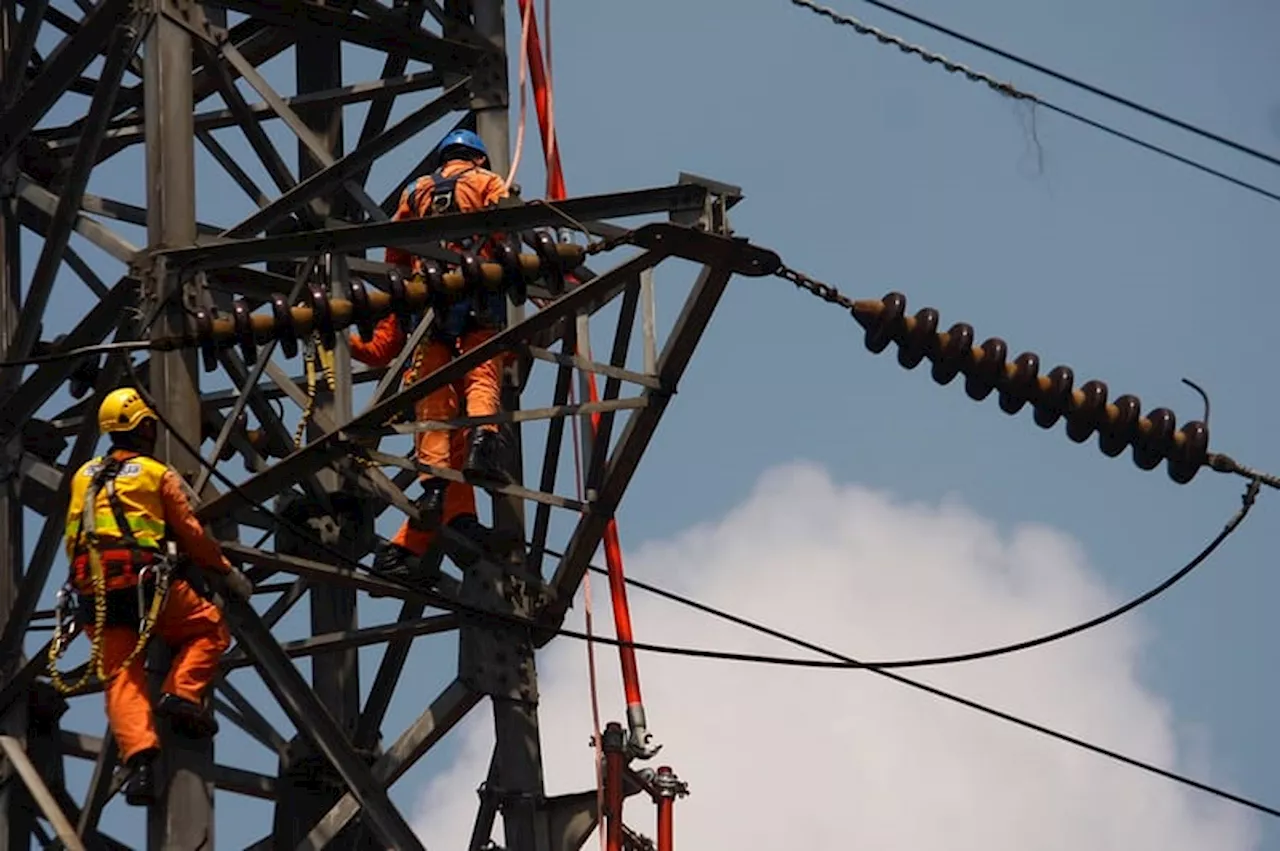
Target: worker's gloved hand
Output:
{"points": [[238, 584]]}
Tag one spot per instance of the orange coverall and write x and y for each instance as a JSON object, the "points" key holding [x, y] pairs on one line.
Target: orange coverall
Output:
{"points": [[187, 622], [481, 387]]}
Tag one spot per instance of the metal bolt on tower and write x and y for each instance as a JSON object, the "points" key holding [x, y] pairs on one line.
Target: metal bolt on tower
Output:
{"points": [[228, 221]]}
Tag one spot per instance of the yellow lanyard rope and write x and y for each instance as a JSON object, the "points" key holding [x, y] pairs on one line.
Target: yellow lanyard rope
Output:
{"points": [[94, 666]]}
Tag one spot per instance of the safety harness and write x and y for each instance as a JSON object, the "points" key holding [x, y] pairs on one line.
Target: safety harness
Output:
{"points": [[454, 315], [444, 198], [160, 569]]}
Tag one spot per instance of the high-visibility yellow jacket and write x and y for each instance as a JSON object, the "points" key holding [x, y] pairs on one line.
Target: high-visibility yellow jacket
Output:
{"points": [[150, 503]]}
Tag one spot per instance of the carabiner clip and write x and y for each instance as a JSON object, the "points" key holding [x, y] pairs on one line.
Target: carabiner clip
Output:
{"points": [[142, 595], [60, 620]]}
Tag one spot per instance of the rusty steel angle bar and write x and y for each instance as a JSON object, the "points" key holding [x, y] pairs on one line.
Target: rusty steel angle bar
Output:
{"points": [[50, 541], [91, 229], [258, 42], [598, 448], [44, 799], [417, 43], [64, 65], [318, 572], [443, 714], [124, 41], [375, 120], [21, 47], [407, 234], [314, 145], [328, 448], [345, 169], [130, 131], [312, 719], [228, 778], [95, 798], [328, 642], [635, 438], [395, 655], [551, 451]]}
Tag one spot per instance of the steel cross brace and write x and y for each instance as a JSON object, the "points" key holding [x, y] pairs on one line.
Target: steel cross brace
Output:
{"points": [[724, 257], [27, 398], [408, 234], [71, 57], [444, 713], [419, 44], [313, 720]]}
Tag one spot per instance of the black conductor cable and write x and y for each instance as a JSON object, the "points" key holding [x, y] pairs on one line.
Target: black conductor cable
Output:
{"points": [[1009, 90], [1061, 77], [841, 661], [1248, 500]]}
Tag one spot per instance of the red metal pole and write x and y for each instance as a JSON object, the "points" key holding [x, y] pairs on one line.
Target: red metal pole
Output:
{"points": [[614, 745], [667, 787]]}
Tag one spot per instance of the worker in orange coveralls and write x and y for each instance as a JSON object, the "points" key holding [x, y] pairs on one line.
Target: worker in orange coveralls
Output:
{"points": [[461, 184], [140, 504]]}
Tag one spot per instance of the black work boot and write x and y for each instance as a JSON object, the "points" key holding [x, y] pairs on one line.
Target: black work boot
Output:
{"points": [[398, 564], [485, 458], [189, 719], [498, 545], [430, 505], [140, 790]]}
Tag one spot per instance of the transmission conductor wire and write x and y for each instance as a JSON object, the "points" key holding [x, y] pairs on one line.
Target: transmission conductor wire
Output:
{"points": [[1248, 500], [1057, 75], [1009, 90], [841, 660], [881, 669]]}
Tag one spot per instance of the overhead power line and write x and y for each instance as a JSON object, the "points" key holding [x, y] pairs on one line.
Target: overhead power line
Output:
{"points": [[1248, 500], [846, 662], [1066, 78], [1009, 90]]}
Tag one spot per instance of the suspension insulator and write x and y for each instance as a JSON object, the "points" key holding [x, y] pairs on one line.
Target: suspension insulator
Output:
{"points": [[917, 343], [282, 325], [322, 316], [240, 312], [361, 310], [551, 254], [399, 295], [512, 272], [208, 343], [1086, 410], [325, 315], [472, 276]]}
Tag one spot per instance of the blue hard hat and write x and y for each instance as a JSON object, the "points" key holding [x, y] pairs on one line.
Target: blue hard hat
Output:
{"points": [[463, 139]]}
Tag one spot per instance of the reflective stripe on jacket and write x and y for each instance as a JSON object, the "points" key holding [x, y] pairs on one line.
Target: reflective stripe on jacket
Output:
{"points": [[155, 504], [137, 488]]}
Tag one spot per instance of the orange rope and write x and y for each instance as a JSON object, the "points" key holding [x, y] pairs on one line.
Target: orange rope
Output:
{"points": [[524, 101]]}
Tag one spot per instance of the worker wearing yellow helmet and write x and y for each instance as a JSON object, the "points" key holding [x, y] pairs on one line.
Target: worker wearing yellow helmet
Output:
{"points": [[126, 507]]}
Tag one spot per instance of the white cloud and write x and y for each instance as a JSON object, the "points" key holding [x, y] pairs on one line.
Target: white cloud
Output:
{"points": [[825, 761]]}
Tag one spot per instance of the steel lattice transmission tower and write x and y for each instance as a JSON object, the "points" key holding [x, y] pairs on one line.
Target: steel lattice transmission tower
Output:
{"points": [[131, 87]]}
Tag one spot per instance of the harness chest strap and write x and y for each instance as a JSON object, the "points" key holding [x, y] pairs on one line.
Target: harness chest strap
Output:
{"points": [[125, 560]]}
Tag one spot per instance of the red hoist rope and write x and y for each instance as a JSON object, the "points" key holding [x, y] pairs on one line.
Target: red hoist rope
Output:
{"points": [[543, 102], [613, 548]]}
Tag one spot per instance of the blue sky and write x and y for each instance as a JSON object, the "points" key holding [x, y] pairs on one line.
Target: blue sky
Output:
{"points": [[873, 171]]}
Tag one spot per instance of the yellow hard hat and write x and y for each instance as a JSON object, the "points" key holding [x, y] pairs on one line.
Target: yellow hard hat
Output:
{"points": [[123, 410]]}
